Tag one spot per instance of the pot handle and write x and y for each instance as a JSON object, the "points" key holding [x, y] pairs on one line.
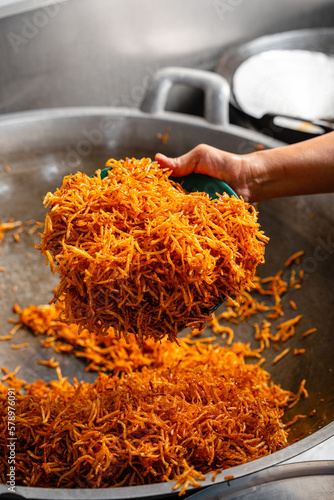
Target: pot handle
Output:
{"points": [[215, 87], [296, 124]]}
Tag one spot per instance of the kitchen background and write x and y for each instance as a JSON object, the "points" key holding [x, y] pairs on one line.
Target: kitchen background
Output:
{"points": [[80, 52]]}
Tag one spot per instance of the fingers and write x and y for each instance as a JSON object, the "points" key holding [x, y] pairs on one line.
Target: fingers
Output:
{"points": [[202, 159]]}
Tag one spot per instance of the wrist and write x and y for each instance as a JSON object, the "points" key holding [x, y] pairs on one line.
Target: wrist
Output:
{"points": [[255, 176], [266, 175]]}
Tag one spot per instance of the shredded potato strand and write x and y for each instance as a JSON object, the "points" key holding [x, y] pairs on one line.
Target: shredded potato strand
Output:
{"points": [[136, 252]]}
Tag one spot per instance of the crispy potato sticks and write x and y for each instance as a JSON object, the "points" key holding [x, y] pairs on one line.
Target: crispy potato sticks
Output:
{"points": [[136, 252], [199, 410]]}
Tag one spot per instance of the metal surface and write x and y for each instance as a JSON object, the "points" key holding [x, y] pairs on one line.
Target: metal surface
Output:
{"points": [[71, 53], [301, 481], [284, 81], [41, 147]]}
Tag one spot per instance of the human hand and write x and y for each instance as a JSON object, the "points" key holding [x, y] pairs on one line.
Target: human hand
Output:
{"points": [[297, 169], [203, 159]]}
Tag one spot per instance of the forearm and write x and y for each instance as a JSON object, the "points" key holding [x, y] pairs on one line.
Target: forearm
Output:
{"points": [[303, 168]]}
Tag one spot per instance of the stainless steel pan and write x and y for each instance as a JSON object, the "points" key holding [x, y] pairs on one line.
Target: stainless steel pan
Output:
{"points": [[283, 82], [41, 147]]}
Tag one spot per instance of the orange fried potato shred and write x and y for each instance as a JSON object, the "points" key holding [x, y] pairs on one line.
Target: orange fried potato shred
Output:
{"points": [[136, 252]]}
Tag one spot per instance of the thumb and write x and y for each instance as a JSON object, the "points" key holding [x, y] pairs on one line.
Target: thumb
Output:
{"points": [[179, 166]]}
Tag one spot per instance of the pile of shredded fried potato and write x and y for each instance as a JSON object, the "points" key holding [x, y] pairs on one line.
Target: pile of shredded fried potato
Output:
{"points": [[169, 411], [136, 252], [198, 409]]}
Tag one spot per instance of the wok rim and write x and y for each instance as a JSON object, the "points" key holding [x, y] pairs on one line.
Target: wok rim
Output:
{"points": [[165, 489]]}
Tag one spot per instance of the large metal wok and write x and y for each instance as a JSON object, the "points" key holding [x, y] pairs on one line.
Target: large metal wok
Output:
{"points": [[41, 147]]}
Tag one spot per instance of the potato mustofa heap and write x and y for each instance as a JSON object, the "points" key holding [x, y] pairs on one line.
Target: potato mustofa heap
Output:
{"points": [[136, 252]]}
